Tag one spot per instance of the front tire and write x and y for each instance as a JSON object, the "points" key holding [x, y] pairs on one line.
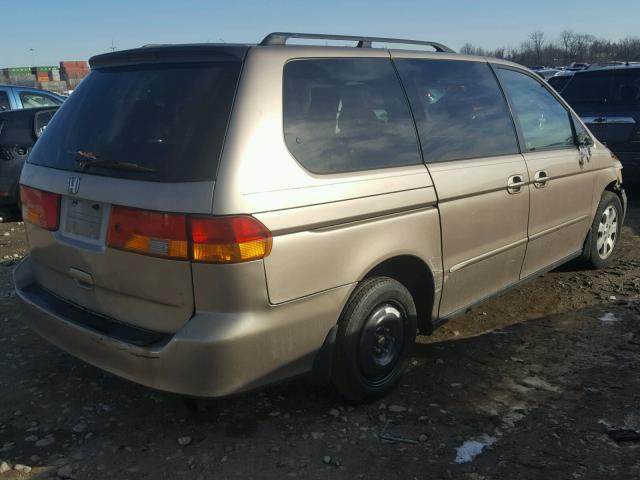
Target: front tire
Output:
{"points": [[376, 333], [600, 251]]}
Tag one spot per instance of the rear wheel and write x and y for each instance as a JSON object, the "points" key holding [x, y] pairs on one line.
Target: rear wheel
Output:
{"points": [[376, 333], [605, 232]]}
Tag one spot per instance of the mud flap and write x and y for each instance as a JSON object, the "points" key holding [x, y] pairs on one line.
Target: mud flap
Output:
{"points": [[323, 362]]}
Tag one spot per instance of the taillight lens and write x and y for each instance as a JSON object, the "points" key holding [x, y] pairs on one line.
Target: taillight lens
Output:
{"points": [[150, 233], [40, 208], [229, 239]]}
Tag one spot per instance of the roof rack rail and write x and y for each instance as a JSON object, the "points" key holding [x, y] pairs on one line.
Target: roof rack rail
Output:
{"points": [[280, 38]]}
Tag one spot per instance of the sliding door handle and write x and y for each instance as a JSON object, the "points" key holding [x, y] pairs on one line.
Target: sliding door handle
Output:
{"points": [[541, 178], [515, 183]]}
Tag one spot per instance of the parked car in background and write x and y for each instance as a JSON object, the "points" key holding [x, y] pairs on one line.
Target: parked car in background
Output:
{"points": [[546, 72], [607, 98], [210, 219], [13, 97], [19, 130], [576, 66], [560, 79]]}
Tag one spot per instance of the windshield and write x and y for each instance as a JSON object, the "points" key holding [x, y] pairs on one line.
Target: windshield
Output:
{"points": [[167, 120]]}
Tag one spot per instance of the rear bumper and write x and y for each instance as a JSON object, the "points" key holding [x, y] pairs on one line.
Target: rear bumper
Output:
{"points": [[214, 354]]}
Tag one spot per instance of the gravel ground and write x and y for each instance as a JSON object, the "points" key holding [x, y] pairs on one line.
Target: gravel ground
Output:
{"points": [[541, 383]]}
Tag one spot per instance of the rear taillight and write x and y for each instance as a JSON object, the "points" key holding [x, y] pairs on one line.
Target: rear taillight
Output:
{"points": [[40, 208], [229, 239], [151, 233]]}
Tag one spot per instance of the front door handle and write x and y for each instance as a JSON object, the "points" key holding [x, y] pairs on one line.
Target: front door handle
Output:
{"points": [[541, 178], [515, 183]]}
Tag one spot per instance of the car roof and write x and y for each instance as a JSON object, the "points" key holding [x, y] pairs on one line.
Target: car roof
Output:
{"points": [[610, 66], [31, 89], [221, 51]]}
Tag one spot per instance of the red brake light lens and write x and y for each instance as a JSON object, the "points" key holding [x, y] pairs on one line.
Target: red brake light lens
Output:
{"points": [[229, 239], [150, 233], [40, 208]]}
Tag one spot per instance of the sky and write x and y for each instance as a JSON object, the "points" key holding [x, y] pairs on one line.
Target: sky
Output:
{"points": [[44, 32]]}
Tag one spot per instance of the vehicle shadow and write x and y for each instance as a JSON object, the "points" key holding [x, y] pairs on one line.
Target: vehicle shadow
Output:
{"points": [[10, 214]]}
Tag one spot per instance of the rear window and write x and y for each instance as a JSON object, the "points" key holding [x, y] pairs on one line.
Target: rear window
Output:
{"points": [[588, 87], [559, 82], [159, 122]]}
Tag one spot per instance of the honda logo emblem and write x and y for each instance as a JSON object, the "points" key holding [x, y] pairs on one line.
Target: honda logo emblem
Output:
{"points": [[74, 185]]}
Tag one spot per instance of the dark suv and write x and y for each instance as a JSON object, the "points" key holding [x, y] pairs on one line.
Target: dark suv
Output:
{"points": [[608, 100], [19, 130]]}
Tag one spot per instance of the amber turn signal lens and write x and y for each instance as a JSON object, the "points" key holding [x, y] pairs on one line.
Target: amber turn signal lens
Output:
{"points": [[229, 239]]}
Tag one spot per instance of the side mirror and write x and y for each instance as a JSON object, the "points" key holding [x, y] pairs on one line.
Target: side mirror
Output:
{"points": [[40, 122], [585, 141]]}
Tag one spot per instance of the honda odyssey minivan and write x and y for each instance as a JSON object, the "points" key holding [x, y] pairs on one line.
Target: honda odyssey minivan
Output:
{"points": [[209, 219]]}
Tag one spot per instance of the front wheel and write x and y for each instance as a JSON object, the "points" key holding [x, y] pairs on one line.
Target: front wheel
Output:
{"points": [[605, 232], [376, 333]]}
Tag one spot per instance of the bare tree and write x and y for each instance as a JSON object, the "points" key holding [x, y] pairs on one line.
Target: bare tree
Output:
{"points": [[567, 39], [537, 41], [570, 46], [467, 49]]}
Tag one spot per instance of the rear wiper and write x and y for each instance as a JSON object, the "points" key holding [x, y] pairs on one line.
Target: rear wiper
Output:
{"points": [[89, 159]]}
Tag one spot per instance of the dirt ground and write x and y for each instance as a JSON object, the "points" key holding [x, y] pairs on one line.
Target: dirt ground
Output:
{"points": [[541, 383]]}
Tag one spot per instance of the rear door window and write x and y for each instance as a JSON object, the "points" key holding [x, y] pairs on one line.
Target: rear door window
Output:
{"points": [[343, 115], [35, 100], [154, 122], [544, 122], [459, 109]]}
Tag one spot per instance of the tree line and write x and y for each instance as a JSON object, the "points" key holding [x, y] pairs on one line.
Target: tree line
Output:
{"points": [[569, 47]]}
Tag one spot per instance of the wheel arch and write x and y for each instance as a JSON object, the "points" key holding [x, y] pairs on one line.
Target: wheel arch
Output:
{"points": [[417, 277], [616, 188]]}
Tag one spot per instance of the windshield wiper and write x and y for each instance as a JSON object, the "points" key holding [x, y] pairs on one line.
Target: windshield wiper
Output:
{"points": [[90, 159]]}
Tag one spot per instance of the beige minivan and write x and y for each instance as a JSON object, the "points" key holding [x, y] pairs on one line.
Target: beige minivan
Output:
{"points": [[209, 219]]}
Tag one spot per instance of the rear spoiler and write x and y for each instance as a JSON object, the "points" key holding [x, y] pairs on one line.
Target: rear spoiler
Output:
{"points": [[170, 53]]}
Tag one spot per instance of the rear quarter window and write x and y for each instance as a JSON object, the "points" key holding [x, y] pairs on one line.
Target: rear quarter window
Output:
{"points": [[343, 115]]}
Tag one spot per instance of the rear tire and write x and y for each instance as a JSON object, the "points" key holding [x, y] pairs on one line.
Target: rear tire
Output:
{"points": [[602, 246], [376, 333]]}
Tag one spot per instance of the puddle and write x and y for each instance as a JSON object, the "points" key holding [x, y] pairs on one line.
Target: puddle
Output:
{"points": [[472, 448], [609, 318]]}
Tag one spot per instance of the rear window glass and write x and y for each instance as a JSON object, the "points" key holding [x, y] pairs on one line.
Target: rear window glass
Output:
{"points": [[559, 82], [344, 115], [160, 122], [588, 87], [459, 109]]}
